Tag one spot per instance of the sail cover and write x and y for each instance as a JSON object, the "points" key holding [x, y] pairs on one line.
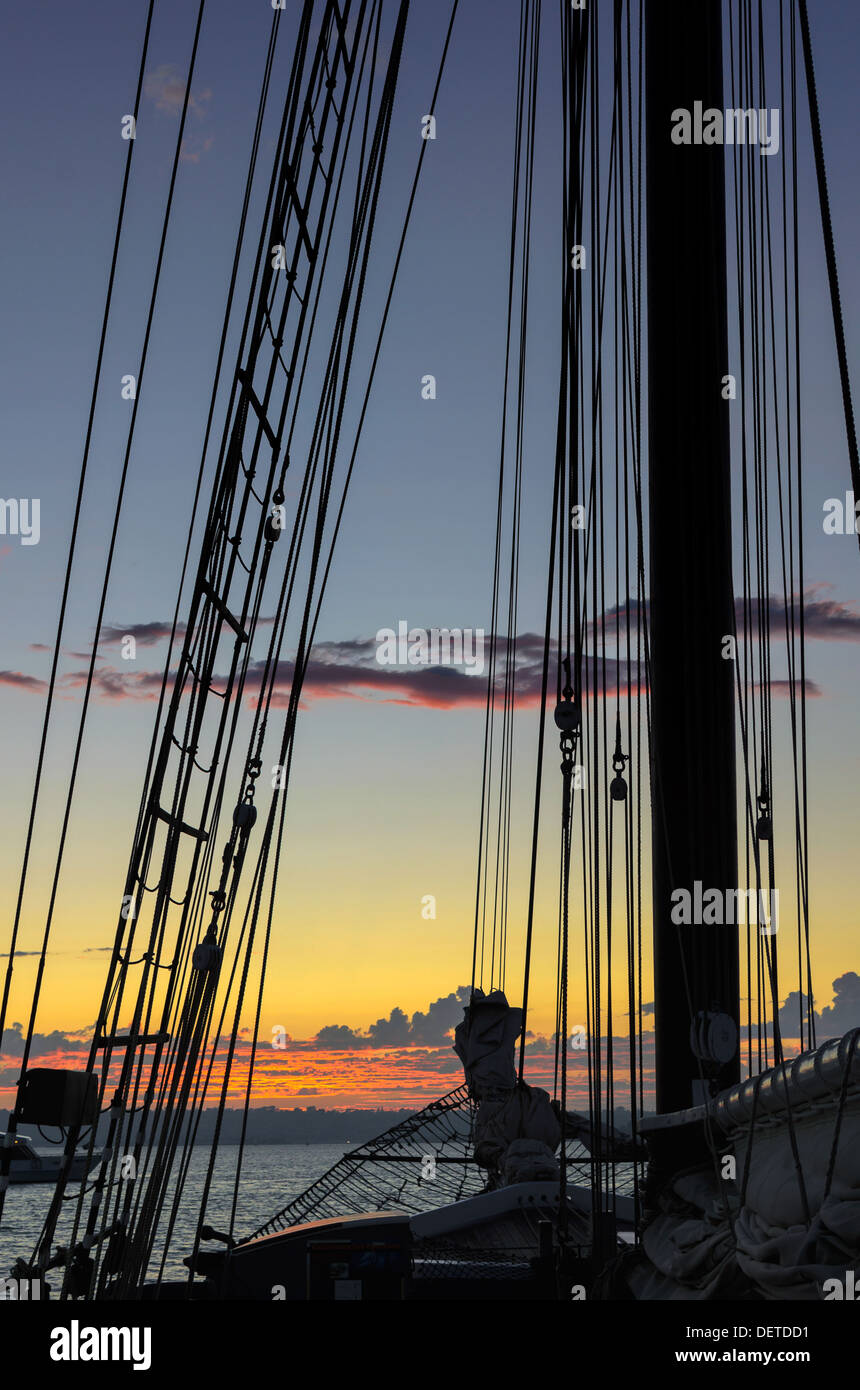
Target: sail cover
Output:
{"points": [[518, 1136], [783, 1219], [484, 1042]]}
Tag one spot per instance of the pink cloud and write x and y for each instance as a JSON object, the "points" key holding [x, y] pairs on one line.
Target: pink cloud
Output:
{"points": [[165, 87], [22, 681]]}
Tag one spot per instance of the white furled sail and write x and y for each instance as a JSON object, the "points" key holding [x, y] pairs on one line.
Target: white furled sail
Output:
{"points": [[775, 1214]]}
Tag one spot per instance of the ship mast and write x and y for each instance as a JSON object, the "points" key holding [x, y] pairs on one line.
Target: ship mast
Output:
{"points": [[694, 817]]}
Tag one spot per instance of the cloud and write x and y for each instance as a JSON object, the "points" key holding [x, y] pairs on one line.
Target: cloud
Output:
{"points": [[442, 1016], [110, 683], [147, 634], [432, 1029], [834, 1019], [392, 1031], [86, 951], [12, 1044], [349, 669], [338, 1035], [844, 1012], [21, 681], [785, 687], [356, 1067], [824, 619], [402, 1059], [165, 87], [144, 634], [193, 148]]}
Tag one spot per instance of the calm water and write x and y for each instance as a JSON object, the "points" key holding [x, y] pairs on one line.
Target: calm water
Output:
{"points": [[272, 1175]]}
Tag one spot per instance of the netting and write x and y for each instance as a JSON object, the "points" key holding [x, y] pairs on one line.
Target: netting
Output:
{"points": [[424, 1162]]}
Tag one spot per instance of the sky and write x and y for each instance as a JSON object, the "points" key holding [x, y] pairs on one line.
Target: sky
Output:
{"points": [[385, 797]]}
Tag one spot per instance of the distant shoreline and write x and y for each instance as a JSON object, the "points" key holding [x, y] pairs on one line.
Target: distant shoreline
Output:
{"points": [[268, 1125]]}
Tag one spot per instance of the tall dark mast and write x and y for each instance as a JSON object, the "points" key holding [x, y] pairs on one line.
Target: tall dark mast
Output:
{"points": [[694, 825]]}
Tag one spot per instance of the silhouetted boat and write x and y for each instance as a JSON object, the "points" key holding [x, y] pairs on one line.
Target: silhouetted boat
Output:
{"points": [[29, 1165]]}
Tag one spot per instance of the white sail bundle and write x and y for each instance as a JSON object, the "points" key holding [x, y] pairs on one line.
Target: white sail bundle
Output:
{"points": [[777, 1214]]}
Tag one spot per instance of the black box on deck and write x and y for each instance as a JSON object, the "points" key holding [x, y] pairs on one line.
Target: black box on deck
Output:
{"points": [[50, 1097]]}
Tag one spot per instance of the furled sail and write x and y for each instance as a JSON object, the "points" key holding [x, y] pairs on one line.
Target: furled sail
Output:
{"points": [[775, 1211], [484, 1042]]}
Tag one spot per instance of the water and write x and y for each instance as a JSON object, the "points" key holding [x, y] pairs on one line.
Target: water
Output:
{"points": [[272, 1175]]}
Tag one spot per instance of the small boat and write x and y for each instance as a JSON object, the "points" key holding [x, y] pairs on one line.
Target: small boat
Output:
{"points": [[28, 1165]]}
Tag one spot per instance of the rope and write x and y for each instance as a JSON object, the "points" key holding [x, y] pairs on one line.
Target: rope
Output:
{"points": [[830, 252]]}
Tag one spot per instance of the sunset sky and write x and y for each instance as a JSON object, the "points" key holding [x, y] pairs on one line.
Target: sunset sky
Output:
{"points": [[385, 796]]}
